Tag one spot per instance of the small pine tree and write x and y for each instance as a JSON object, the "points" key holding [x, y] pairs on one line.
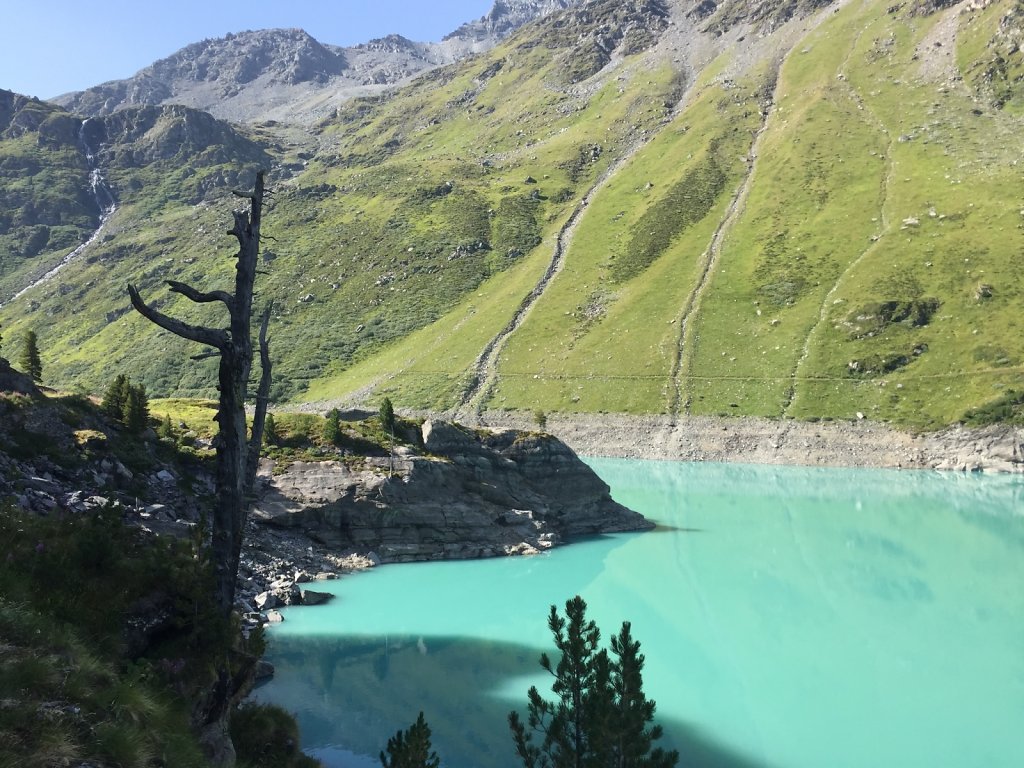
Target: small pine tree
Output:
{"points": [[116, 397], [387, 416], [270, 430], [30, 361], [411, 748], [540, 419], [332, 427], [166, 430], [601, 715], [136, 410]]}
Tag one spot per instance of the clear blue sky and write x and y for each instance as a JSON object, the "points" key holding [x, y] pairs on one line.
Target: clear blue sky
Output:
{"points": [[50, 47]]}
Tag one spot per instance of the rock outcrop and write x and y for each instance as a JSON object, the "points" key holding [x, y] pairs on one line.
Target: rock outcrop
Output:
{"points": [[471, 494], [834, 443]]}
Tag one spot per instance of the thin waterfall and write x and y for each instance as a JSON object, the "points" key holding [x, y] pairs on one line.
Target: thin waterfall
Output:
{"points": [[105, 201]]}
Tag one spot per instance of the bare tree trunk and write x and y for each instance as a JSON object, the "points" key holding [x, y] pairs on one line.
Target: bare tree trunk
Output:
{"points": [[236, 352], [259, 418], [235, 453]]}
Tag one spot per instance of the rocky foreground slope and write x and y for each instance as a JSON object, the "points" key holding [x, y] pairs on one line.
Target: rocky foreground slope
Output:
{"points": [[447, 492]]}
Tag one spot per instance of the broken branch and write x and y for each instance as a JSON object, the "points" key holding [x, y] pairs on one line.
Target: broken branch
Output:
{"points": [[197, 333]]}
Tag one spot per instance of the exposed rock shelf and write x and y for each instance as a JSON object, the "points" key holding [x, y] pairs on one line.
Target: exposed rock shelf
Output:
{"points": [[472, 494], [855, 443]]}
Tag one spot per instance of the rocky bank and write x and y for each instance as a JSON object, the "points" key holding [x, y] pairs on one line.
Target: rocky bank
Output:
{"points": [[853, 443], [469, 493]]}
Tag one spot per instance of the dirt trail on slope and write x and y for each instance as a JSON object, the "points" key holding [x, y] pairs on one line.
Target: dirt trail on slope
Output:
{"points": [[486, 365], [883, 219], [737, 207], [680, 368]]}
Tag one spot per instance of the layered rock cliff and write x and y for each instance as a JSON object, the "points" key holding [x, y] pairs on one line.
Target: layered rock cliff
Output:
{"points": [[471, 494]]}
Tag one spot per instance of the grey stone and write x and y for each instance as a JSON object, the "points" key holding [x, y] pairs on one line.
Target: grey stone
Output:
{"points": [[310, 597]]}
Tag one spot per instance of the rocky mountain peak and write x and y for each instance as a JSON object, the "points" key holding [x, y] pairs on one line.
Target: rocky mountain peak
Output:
{"points": [[506, 16], [281, 55], [388, 44], [287, 75]]}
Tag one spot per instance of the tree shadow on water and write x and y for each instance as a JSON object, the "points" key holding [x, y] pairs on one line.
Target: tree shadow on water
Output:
{"points": [[351, 694]]}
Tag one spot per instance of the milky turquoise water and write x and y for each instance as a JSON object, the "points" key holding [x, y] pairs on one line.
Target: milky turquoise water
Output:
{"points": [[791, 618]]}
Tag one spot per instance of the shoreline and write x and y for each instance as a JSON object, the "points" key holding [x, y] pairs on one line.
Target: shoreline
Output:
{"points": [[280, 560], [758, 440], [847, 443]]}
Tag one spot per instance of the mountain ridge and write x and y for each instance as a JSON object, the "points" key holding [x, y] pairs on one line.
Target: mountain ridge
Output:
{"points": [[287, 75]]}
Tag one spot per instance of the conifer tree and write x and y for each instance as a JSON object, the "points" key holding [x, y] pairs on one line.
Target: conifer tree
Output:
{"points": [[269, 430], [166, 430], [411, 748], [30, 361], [387, 416], [332, 427], [600, 716], [116, 397], [136, 409]]}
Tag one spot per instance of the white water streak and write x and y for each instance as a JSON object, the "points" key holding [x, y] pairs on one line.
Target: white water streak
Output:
{"points": [[105, 201]]}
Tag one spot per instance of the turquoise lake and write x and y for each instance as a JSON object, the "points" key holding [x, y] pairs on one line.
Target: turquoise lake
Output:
{"points": [[791, 618]]}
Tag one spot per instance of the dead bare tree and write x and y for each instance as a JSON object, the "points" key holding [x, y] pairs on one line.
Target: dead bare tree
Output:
{"points": [[237, 456]]}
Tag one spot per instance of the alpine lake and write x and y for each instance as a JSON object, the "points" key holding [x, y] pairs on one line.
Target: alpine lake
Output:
{"points": [[790, 618]]}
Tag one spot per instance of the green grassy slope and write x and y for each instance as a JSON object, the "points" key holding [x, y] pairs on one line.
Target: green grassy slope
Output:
{"points": [[826, 224], [826, 298]]}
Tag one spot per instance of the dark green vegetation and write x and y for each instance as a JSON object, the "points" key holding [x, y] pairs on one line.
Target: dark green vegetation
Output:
{"points": [[30, 361], [111, 643], [128, 403], [266, 736], [112, 640], [821, 216], [411, 748], [109, 637], [600, 715]]}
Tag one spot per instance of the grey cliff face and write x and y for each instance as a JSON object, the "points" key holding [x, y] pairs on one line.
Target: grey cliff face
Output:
{"points": [[506, 16], [476, 494]]}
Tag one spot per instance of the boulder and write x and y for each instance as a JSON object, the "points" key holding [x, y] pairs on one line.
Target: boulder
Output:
{"points": [[310, 597]]}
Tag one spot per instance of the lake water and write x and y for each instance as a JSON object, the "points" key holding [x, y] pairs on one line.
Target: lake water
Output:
{"points": [[791, 618]]}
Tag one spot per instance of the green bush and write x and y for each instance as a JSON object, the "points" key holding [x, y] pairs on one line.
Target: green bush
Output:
{"points": [[266, 736]]}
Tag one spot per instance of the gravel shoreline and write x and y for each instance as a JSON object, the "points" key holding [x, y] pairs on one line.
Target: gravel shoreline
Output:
{"points": [[778, 441], [848, 443]]}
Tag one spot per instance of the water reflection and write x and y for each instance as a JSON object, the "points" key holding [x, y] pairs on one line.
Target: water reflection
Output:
{"points": [[352, 694]]}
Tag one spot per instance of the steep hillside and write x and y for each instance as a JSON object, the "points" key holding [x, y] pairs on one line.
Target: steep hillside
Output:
{"points": [[779, 209], [46, 206]]}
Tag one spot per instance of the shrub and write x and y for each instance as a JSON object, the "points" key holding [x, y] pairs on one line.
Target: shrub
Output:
{"points": [[266, 736]]}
